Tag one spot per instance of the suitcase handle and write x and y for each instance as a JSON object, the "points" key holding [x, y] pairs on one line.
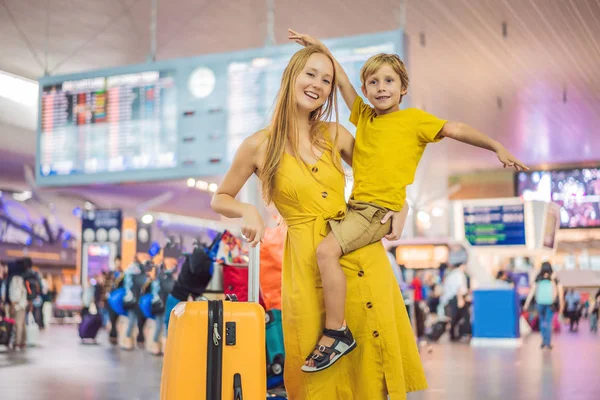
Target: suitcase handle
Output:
{"points": [[237, 387], [254, 274]]}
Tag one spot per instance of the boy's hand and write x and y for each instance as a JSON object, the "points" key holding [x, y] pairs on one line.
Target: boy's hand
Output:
{"points": [[509, 160], [304, 40], [398, 221]]}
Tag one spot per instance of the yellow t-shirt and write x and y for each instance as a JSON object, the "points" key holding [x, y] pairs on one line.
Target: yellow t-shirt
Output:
{"points": [[387, 150]]}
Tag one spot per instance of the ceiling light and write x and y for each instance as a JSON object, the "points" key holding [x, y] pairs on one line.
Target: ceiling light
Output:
{"points": [[23, 196], [191, 182], [147, 219], [202, 185], [213, 187]]}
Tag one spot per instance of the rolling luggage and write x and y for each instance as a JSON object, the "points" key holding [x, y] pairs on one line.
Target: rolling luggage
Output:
{"points": [[275, 349], [89, 327], [439, 328], [235, 282], [216, 349]]}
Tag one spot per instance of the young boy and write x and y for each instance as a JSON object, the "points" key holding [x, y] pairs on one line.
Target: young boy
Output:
{"points": [[389, 145]]}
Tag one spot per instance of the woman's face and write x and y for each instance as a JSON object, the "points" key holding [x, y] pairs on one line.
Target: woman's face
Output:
{"points": [[314, 84]]}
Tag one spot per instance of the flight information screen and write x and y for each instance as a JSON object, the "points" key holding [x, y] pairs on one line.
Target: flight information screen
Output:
{"points": [[495, 226], [176, 118], [109, 124]]}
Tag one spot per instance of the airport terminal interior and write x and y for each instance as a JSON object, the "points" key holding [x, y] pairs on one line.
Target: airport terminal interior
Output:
{"points": [[180, 183]]}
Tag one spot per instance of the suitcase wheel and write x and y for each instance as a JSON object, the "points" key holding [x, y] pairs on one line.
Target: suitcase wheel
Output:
{"points": [[277, 369], [268, 317], [277, 366]]}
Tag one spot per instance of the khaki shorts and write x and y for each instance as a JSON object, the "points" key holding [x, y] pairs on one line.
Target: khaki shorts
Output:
{"points": [[361, 226]]}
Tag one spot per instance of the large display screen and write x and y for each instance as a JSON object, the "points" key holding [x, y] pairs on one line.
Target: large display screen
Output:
{"points": [[576, 191], [495, 225], [175, 118], [109, 124]]}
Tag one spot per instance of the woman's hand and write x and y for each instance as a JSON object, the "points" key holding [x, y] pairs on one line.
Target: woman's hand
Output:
{"points": [[253, 226], [398, 221]]}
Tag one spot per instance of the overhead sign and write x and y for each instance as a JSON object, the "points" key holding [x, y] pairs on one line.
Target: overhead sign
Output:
{"points": [[421, 256], [495, 225]]}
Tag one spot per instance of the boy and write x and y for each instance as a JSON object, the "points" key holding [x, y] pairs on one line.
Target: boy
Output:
{"points": [[389, 145]]}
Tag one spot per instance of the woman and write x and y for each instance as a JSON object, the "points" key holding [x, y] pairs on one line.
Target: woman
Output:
{"points": [[546, 290], [573, 303], [298, 162]]}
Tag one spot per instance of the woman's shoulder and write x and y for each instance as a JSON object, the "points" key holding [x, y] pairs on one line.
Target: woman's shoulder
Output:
{"points": [[256, 142], [259, 136]]}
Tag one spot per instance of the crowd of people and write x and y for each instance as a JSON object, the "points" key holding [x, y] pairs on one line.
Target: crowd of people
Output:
{"points": [[24, 300], [442, 300], [140, 292]]}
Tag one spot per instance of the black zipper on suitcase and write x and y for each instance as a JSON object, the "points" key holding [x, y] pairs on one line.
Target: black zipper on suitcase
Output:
{"points": [[214, 354]]}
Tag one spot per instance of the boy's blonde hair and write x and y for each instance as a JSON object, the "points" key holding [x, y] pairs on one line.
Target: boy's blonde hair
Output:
{"points": [[374, 63]]}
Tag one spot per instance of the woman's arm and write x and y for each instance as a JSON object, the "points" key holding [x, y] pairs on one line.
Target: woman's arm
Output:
{"points": [[348, 92], [530, 296], [224, 202]]}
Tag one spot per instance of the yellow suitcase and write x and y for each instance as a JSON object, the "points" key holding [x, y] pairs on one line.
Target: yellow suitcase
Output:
{"points": [[216, 349]]}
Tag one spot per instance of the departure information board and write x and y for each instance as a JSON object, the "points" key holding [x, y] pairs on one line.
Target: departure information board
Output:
{"points": [[495, 225], [109, 124], [175, 118]]}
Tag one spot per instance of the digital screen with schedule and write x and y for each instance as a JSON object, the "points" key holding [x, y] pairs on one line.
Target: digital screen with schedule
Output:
{"points": [[173, 119], [495, 225], [109, 124]]}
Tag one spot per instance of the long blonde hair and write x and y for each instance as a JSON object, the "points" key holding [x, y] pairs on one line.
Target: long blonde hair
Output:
{"points": [[283, 125]]}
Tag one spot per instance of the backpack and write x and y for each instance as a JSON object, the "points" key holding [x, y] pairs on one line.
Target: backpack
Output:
{"points": [[167, 282], [544, 294], [32, 284]]}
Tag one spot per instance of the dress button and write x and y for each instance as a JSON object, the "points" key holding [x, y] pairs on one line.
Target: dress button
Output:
{"points": [[361, 273], [369, 305], [324, 195], [375, 334], [315, 169]]}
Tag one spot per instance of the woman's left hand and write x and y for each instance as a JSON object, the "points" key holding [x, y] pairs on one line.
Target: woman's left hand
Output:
{"points": [[398, 221]]}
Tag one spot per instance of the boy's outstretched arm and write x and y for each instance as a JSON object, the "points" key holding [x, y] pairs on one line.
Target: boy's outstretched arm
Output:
{"points": [[348, 92], [467, 134]]}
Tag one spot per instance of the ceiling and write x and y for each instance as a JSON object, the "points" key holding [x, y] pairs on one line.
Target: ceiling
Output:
{"points": [[536, 88]]}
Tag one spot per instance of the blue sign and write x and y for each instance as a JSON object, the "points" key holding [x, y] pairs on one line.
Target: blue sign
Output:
{"points": [[174, 118], [495, 225]]}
